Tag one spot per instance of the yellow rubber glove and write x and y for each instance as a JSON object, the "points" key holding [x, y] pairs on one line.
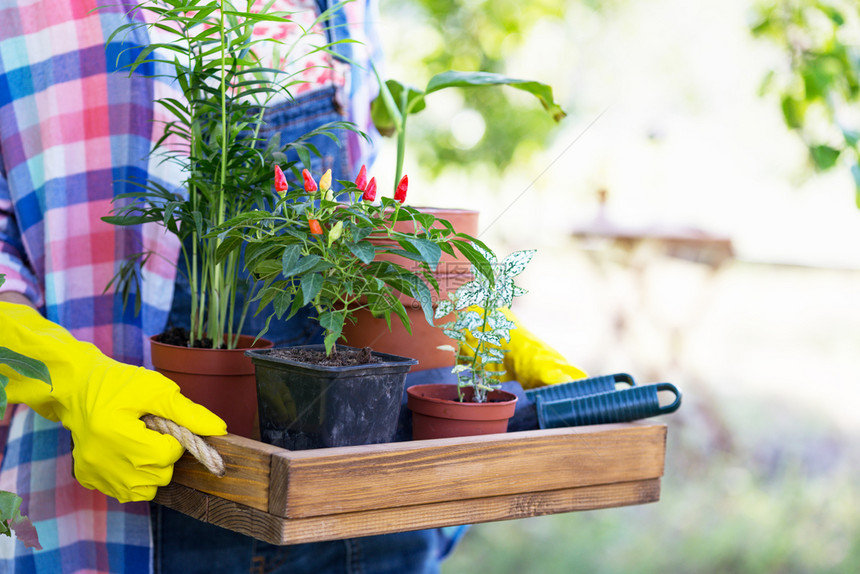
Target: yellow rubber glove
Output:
{"points": [[101, 401], [530, 361]]}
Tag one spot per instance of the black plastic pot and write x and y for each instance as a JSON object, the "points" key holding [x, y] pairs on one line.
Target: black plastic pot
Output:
{"points": [[304, 406]]}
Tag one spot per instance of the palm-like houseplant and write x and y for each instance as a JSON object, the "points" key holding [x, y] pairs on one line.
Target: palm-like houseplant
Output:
{"points": [[212, 136], [216, 122]]}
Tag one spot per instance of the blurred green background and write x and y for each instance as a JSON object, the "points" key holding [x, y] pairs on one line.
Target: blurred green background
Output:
{"points": [[713, 123]]}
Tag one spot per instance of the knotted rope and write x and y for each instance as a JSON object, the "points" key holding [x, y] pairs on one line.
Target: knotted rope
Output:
{"points": [[199, 448]]}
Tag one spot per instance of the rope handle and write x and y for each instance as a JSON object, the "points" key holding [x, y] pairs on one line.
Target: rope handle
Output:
{"points": [[196, 445]]}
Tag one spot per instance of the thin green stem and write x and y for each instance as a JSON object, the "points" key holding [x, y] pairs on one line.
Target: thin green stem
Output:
{"points": [[401, 138], [479, 349]]}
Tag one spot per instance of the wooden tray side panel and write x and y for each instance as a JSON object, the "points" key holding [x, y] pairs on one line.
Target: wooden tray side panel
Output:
{"points": [[276, 530], [471, 511], [248, 465], [360, 479]]}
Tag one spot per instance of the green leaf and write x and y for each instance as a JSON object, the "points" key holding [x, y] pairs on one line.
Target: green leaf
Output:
{"points": [[303, 265], [422, 294], [4, 380], [444, 307], [469, 321], [281, 303], [25, 366], [430, 252], [471, 293], [12, 519], [290, 259], [364, 250], [516, 262], [480, 262], [793, 111], [304, 156], [824, 156], [311, 285], [455, 79], [503, 294], [228, 245], [400, 311], [360, 233], [332, 320], [267, 268], [386, 122], [855, 171]]}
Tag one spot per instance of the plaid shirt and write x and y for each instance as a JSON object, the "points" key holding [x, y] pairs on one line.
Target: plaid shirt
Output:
{"points": [[71, 132]]}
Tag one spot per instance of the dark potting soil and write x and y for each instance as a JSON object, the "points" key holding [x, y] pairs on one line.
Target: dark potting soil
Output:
{"points": [[179, 337], [339, 358]]}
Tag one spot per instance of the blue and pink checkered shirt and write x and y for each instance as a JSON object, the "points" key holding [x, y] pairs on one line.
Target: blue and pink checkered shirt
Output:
{"points": [[73, 131]]}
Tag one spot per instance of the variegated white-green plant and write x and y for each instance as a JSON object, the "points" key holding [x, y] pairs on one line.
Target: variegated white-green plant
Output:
{"points": [[480, 326]]}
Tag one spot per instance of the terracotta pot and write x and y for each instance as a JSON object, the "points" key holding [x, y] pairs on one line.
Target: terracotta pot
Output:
{"points": [[222, 380], [369, 331], [438, 413]]}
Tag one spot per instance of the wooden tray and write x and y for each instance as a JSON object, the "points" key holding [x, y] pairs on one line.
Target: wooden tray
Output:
{"points": [[288, 497]]}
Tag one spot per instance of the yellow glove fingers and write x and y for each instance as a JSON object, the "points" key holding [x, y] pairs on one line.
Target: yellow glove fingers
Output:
{"points": [[141, 493], [534, 363], [131, 456], [173, 405]]}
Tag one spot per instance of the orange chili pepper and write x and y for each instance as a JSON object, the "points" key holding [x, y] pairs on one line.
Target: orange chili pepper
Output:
{"points": [[316, 228]]}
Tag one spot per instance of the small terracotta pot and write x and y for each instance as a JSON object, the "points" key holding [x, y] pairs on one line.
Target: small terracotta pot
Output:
{"points": [[438, 413], [222, 380]]}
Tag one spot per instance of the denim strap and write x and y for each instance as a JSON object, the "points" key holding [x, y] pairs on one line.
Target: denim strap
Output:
{"points": [[336, 28]]}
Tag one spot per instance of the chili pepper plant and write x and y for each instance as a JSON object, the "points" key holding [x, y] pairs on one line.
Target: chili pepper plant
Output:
{"points": [[480, 326], [337, 255], [212, 136], [10, 503]]}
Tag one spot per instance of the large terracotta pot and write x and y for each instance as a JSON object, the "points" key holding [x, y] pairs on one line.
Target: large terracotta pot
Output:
{"points": [[437, 412], [222, 380], [451, 272]]}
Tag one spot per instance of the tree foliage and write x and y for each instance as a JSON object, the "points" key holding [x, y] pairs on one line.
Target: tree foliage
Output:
{"points": [[818, 81], [479, 35]]}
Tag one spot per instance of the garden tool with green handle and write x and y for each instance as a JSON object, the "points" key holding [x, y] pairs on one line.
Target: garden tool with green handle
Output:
{"points": [[101, 402]]}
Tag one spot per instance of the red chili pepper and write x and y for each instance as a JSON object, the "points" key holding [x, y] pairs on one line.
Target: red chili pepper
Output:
{"points": [[280, 181], [310, 184], [400, 192], [315, 226], [370, 190], [361, 180]]}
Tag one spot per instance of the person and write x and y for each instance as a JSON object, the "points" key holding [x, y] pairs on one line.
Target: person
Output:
{"points": [[72, 130]]}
